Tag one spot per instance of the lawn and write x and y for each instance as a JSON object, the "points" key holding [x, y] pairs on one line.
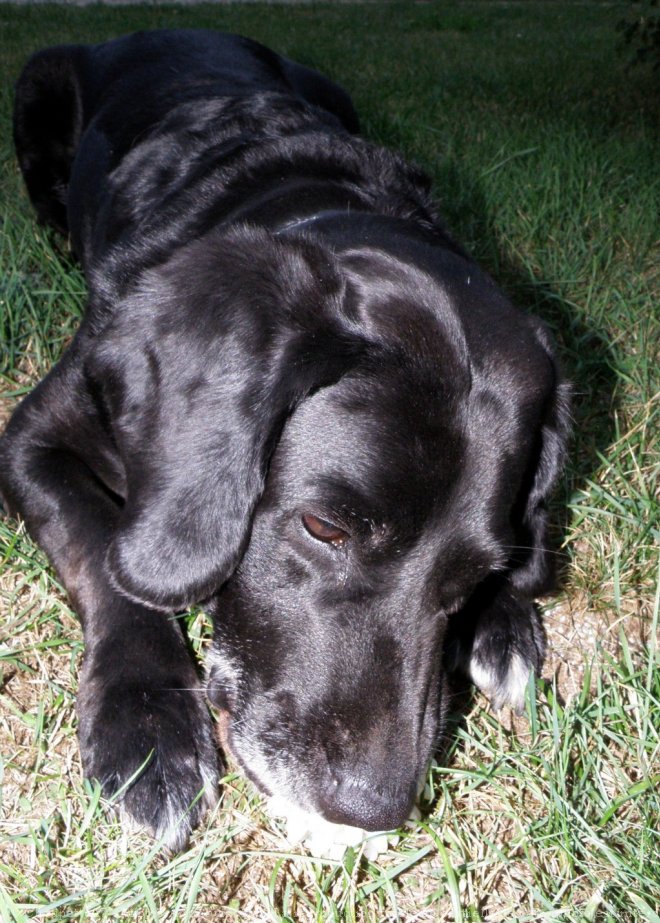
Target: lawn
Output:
{"points": [[543, 153]]}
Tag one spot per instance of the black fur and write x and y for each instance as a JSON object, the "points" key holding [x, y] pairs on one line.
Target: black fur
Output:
{"points": [[278, 327]]}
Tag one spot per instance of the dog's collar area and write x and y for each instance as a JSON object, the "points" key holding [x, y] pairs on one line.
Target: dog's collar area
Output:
{"points": [[299, 224], [289, 204]]}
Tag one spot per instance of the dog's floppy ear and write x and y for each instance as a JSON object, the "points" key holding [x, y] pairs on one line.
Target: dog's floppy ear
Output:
{"points": [[223, 341], [534, 572]]}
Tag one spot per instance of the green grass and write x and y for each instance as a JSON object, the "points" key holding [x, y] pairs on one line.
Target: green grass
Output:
{"points": [[543, 153]]}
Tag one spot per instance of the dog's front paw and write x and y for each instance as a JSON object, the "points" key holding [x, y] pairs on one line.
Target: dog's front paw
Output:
{"points": [[152, 750], [503, 677], [503, 645]]}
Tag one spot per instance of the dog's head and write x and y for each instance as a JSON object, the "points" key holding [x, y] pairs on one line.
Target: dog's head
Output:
{"points": [[338, 449]]}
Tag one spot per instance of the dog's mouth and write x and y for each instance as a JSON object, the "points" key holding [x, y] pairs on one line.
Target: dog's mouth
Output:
{"points": [[223, 730], [309, 829], [222, 725], [326, 840], [336, 776], [300, 826]]}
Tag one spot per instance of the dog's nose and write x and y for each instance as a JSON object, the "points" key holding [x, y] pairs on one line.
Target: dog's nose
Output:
{"points": [[365, 800]]}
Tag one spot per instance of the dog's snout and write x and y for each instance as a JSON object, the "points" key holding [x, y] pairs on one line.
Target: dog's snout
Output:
{"points": [[370, 800]]}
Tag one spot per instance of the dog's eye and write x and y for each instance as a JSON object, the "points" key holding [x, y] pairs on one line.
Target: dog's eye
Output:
{"points": [[324, 531]]}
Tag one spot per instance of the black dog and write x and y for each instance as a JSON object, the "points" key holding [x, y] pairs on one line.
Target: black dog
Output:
{"points": [[293, 398]]}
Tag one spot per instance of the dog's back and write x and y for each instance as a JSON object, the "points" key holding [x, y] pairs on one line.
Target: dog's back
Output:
{"points": [[62, 89]]}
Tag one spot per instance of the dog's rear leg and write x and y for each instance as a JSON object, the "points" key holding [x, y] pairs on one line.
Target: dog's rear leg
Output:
{"points": [[144, 726], [48, 122]]}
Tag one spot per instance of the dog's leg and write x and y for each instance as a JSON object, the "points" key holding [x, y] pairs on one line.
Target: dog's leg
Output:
{"points": [[144, 726], [497, 641]]}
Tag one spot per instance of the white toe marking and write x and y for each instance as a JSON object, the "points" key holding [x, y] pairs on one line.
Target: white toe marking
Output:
{"points": [[508, 691]]}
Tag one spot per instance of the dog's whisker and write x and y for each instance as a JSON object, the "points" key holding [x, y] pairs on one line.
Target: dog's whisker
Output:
{"points": [[183, 689], [545, 550]]}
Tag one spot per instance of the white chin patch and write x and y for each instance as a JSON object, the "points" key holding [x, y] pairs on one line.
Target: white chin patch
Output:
{"points": [[325, 840], [509, 690]]}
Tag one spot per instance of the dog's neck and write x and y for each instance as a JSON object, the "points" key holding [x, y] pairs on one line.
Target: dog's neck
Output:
{"points": [[300, 224], [288, 206]]}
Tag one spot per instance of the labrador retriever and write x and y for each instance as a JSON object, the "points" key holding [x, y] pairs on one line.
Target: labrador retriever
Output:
{"points": [[294, 400]]}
